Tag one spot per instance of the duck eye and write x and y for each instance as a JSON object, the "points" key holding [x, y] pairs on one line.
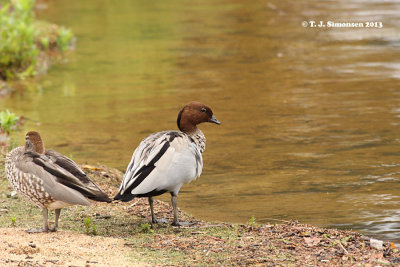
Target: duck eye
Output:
{"points": [[203, 110]]}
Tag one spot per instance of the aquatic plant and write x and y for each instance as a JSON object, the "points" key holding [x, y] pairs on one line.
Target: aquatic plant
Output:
{"points": [[7, 120], [18, 51], [22, 38], [64, 39], [45, 42]]}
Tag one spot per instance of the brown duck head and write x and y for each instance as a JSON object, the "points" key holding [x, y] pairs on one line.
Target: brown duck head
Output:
{"points": [[192, 114], [33, 142]]}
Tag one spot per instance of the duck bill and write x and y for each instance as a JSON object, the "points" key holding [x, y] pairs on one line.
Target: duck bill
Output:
{"points": [[214, 120]]}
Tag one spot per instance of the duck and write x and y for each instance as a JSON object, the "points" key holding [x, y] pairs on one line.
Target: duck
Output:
{"points": [[166, 160], [49, 179]]}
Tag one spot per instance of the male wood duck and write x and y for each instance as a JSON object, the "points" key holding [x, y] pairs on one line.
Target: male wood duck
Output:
{"points": [[164, 161]]}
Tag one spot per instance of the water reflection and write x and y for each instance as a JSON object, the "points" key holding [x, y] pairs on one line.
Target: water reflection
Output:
{"points": [[309, 116]]}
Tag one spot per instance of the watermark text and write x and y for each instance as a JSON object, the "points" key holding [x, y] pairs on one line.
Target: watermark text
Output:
{"points": [[334, 24]]}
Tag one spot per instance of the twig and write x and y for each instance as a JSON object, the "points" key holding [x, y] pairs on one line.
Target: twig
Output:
{"points": [[340, 244], [134, 203], [216, 238], [272, 219], [104, 217], [203, 226]]}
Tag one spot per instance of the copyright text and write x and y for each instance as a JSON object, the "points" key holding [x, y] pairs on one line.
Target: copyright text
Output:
{"points": [[333, 24]]}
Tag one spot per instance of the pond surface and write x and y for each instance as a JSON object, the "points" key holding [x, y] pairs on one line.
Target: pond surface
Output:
{"points": [[310, 116]]}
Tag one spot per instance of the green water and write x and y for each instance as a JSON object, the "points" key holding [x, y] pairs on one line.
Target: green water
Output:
{"points": [[310, 116]]}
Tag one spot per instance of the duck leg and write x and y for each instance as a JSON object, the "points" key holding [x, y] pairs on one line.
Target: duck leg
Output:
{"points": [[153, 218], [173, 201], [57, 212], [45, 223], [174, 206]]}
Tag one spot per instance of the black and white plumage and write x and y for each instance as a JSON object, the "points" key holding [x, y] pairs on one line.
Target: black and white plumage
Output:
{"points": [[49, 179], [164, 161]]}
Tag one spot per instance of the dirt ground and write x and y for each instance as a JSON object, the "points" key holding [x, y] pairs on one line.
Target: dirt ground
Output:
{"points": [[290, 244], [63, 248], [119, 234]]}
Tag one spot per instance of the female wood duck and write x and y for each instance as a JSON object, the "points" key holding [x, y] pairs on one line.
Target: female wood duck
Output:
{"points": [[49, 179]]}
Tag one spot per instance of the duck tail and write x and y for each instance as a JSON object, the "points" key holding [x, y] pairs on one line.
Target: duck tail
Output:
{"points": [[101, 198], [124, 197]]}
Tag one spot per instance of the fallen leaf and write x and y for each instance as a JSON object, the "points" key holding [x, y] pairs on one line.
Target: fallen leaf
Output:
{"points": [[376, 244], [90, 167], [377, 256], [312, 241]]}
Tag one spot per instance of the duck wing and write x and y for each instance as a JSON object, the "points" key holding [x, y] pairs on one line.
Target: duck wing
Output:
{"points": [[161, 162], [67, 172], [44, 180], [67, 164]]}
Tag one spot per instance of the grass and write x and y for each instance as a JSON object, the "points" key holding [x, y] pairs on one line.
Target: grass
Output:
{"points": [[23, 39], [13, 221], [90, 227], [146, 228], [7, 121]]}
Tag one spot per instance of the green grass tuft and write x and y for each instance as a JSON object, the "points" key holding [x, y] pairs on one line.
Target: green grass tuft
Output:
{"points": [[90, 227], [7, 120], [13, 221]]}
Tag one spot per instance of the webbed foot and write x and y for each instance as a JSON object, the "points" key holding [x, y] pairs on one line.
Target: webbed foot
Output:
{"points": [[183, 223], [155, 221], [39, 230], [53, 229]]}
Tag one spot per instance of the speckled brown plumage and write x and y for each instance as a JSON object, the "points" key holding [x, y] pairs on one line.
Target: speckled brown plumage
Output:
{"points": [[27, 185], [49, 179]]}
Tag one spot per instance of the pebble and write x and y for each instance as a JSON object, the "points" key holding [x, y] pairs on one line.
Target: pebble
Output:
{"points": [[376, 244], [3, 210], [12, 194], [32, 245]]}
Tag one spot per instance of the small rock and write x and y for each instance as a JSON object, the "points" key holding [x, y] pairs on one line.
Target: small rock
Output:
{"points": [[32, 245], [3, 210], [376, 244], [12, 194]]}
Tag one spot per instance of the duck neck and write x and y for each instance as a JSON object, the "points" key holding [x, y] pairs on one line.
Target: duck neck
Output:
{"points": [[37, 147], [191, 131], [185, 125]]}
